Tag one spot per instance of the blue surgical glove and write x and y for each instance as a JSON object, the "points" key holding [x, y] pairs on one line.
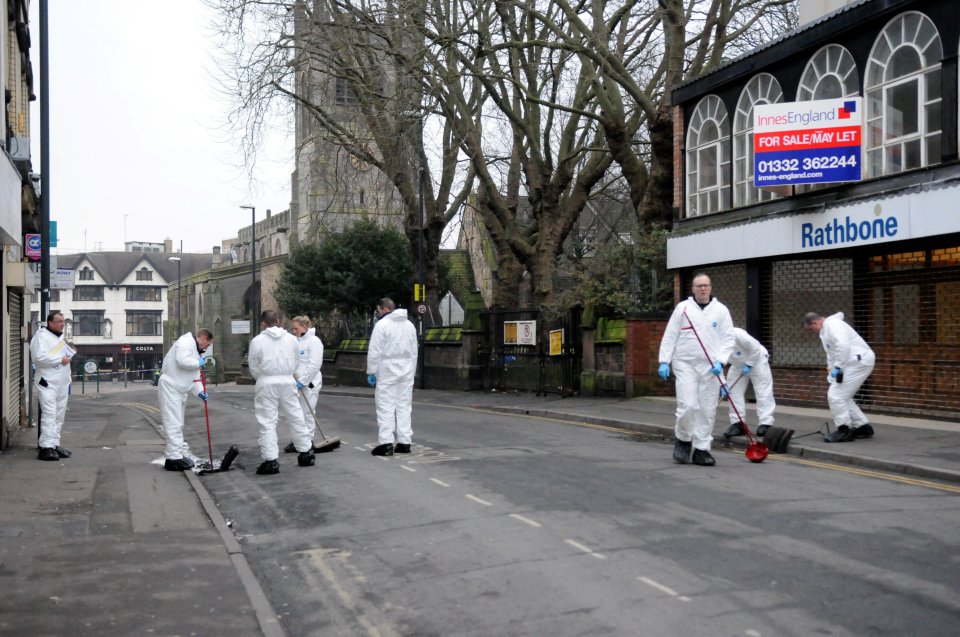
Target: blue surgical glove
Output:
{"points": [[372, 380], [203, 396], [747, 369], [664, 371], [834, 372], [300, 385], [201, 361], [716, 369], [723, 391]]}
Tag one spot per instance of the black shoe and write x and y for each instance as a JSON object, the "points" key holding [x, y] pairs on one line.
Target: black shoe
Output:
{"points": [[386, 449], [268, 468], [48, 453], [681, 451], [762, 430], [703, 458], [290, 448], [401, 447], [842, 434], [863, 431], [66, 453], [177, 464], [736, 429], [306, 459]]}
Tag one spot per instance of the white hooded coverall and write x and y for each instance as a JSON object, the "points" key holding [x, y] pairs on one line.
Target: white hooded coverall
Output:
{"points": [[847, 350], [52, 382], [698, 391], [180, 377], [392, 357], [750, 351], [309, 362], [273, 361]]}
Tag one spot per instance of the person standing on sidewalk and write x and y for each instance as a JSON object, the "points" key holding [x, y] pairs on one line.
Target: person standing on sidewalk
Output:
{"points": [[850, 362], [391, 368], [51, 355], [273, 362], [699, 319], [309, 378], [751, 359], [180, 377]]}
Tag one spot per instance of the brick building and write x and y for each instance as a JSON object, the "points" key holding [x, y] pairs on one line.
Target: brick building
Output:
{"points": [[775, 255]]}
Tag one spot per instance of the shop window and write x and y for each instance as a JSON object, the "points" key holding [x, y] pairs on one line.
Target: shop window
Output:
{"points": [[762, 89], [143, 274], [903, 121], [144, 293], [88, 293], [708, 158], [87, 323], [143, 323]]}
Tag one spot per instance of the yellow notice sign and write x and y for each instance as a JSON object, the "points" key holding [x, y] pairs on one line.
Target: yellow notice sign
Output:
{"points": [[510, 333], [556, 342]]}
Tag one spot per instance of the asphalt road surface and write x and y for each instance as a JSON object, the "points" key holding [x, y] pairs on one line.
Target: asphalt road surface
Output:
{"points": [[504, 525]]}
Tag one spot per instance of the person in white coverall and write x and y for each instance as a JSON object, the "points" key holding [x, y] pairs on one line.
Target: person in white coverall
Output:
{"points": [[850, 362], [308, 375], [273, 361], [51, 355], [751, 359], [391, 368], [180, 377], [696, 376]]}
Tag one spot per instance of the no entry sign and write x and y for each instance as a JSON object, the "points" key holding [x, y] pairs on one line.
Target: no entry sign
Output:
{"points": [[806, 142]]}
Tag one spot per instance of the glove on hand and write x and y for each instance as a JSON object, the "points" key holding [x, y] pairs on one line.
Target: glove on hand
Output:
{"points": [[747, 369], [664, 371], [716, 369], [300, 385], [201, 361], [372, 380], [724, 393], [835, 372], [203, 396]]}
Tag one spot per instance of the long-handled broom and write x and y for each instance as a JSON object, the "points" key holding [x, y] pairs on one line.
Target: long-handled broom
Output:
{"points": [[328, 444], [232, 452]]}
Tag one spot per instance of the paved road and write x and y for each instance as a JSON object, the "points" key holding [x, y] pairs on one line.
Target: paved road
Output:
{"points": [[502, 524]]}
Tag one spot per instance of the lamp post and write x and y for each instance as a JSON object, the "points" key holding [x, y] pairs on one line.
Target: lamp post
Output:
{"points": [[254, 297], [179, 314]]}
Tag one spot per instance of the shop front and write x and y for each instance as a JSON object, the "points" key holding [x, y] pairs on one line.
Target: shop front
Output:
{"points": [[113, 360]]}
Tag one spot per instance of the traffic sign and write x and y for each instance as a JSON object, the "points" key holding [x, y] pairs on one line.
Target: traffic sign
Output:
{"points": [[90, 367], [125, 349], [422, 309]]}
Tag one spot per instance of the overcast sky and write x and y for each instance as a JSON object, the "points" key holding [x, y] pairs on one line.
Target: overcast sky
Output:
{"points": [[138, 145]]}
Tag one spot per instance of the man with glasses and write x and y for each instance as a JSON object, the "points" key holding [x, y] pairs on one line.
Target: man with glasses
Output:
{"points": [[698, 341], [51, 355]]}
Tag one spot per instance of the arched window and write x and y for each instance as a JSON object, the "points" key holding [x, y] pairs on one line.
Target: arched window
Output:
{"points": [[762, 89], [830, 74], [276, 248], [708, 158], [903, 96]]}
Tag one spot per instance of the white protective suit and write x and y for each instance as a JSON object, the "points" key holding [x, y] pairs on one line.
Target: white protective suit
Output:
{"points": [[309, 362], [52, 382], [180, 377], [848, 351], [392, 357], [273, 361], [750, 351], [698, 391]]}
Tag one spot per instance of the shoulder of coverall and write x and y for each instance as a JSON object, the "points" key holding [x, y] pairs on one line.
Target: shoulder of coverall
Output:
{"points": [[276, 332], [398, 314]]}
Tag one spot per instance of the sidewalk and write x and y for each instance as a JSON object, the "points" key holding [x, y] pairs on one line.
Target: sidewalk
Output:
{"points": [[107, 543], [910, 446]]}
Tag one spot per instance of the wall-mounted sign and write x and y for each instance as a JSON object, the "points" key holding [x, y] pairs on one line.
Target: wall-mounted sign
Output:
{"points": [[33, 246], [556, 342], [239, 326], [519, 332], [806, 142], [61, 279]]}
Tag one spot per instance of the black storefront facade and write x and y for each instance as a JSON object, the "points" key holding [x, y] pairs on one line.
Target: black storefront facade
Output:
{"points": [[112, 361]]}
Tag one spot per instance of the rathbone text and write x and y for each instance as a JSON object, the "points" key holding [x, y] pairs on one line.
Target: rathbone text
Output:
{"points": [[847, 231]]}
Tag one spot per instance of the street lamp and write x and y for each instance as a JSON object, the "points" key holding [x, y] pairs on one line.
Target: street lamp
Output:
{"points": [[179, 314], [254, 297]]}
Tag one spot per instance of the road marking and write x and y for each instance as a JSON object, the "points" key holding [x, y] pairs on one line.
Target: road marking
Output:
{"points": [[586, 549], [660, 587], [751, 633], [479, 501], [403, 466], [517, 516], [440, 482], [360, 448]]}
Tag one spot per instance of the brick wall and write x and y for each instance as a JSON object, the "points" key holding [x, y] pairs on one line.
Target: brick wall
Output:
{"points": [[641, 362]]}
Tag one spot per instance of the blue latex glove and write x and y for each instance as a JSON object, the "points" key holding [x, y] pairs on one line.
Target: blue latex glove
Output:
{"points": [[723, 391], [300, 385], [834, 372], [372, 380], [747, 369], [203, 396], [664, 371], [716, 369], [201, 361]]}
